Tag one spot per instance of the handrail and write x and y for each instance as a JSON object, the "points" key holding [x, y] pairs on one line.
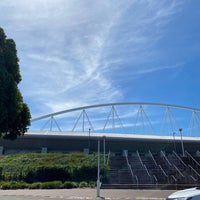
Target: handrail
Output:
{"points": [[146, 170], [155, 179], [140, 158], [152, 158], [163, 170], [194, 170], [174, 178], [178, 170], [192, 158], [166, 158], [179, 158], [136, 179], [194, 179], [130, 168]]}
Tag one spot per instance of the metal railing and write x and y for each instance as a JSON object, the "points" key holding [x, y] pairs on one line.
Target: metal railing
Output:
{"points": [[140, 159], [151, 155], [162, 153], [179, 158], [129, 166], [192, 158]]}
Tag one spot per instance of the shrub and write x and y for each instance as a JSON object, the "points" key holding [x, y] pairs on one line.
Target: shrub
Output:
{"points": [[47, 173], [36, 185], [36, 167], [52, 185], [92, 184], [45, 185], [83, 184], [13, 185], [5, 186], [69, 185], [19, 185]]}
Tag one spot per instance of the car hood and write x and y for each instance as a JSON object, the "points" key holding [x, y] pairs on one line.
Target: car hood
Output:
{"points": [[185, 193]]}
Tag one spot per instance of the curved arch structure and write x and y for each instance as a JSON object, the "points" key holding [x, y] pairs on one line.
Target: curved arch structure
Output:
{"points": [[126, 117], [116, 104]]}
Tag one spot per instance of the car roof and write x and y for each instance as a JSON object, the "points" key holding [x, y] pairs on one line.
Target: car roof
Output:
{"points": [[191, 192]]}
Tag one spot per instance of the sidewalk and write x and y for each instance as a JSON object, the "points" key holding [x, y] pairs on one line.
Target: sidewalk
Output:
{"points": [[78, 194]]}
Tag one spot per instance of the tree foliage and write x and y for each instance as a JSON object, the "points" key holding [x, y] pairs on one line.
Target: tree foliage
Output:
{"points": [[14, 113]]}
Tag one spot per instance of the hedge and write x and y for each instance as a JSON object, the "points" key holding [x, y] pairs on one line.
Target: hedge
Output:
{"points": [[37, 167], [45, 185]]}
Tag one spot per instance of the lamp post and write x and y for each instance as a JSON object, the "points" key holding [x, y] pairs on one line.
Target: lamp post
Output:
{"points": [[89, 140], [183, 152], [104, 150], [98, 170], [98, 174]]}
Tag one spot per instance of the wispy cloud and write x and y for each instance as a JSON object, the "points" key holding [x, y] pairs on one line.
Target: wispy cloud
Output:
{"points": [[71, 50]]}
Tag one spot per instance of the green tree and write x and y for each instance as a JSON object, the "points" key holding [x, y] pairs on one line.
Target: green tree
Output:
{"points": [[14, 113]]}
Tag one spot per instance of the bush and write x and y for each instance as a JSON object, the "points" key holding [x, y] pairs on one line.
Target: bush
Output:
{"points": [[37, 167], [92, 184], [69, 185], [5, 186], [36, 185], [45, 185], [52, 185], [83, 184], [13, 185]]}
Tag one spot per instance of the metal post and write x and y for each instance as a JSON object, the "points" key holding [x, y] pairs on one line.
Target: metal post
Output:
{"points": [[183, 152], [104, 149], [98, 171], [51, 123], [89, 141]]}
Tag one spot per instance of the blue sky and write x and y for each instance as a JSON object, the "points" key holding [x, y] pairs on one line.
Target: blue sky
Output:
{"points": [[81, 52]]}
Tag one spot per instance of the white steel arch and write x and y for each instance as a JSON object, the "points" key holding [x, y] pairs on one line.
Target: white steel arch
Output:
{"points": [[141, 121]]}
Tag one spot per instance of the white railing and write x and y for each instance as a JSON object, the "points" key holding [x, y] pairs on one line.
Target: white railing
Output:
{"points": [[140, 158], [129, 166], [194, 170], [178, 170], [163, 170], [192, 158], [147, 170], [151, 155], [177, 156], [194, 179], [155, 179], [165, 158], [174, 178]]}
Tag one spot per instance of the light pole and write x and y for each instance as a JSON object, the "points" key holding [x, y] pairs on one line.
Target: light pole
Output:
{"points": [[98, 170], [98, 174], [183, 152], [104, 150], [89, 140]]}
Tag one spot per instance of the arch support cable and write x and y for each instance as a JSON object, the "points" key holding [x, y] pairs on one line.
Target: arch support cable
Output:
{"points": [[113, 113], [83, 115]]}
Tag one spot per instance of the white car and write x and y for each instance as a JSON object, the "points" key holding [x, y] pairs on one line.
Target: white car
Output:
{"points": [[188, 194]]}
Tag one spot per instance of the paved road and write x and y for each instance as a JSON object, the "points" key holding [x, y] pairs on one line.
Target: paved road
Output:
{"points": [[80, 194]]}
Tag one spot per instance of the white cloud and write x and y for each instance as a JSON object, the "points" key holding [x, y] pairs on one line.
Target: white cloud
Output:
{"points": [[69, 49]]}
